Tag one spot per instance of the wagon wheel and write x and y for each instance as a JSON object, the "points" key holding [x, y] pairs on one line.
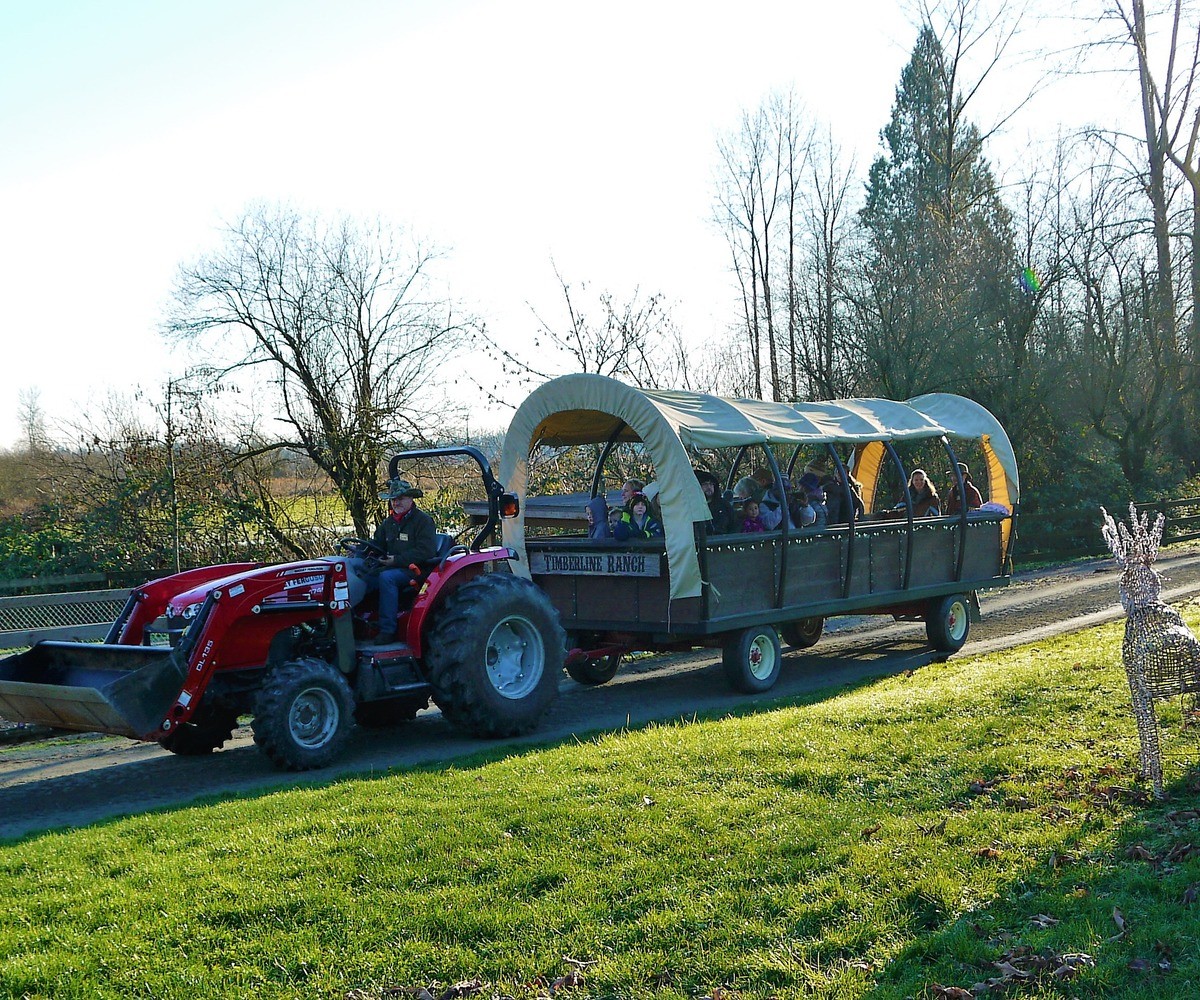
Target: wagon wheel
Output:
{"points": [[947, 623], [803, 633], [594, 672], [752, 659]]}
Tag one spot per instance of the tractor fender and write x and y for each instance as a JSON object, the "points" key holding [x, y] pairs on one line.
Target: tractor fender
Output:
{"points": [[451, 574]]}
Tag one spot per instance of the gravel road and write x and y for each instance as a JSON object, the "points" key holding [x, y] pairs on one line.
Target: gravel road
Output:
{"points": [[74, 780]]}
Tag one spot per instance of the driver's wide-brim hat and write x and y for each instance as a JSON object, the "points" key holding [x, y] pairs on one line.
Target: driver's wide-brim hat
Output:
{"points": [[400, 488]]}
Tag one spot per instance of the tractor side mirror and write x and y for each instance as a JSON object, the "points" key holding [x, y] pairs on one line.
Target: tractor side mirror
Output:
{"points": [[509, 505]]}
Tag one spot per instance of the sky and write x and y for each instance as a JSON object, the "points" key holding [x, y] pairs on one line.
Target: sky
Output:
{"points": [[519, 136]]}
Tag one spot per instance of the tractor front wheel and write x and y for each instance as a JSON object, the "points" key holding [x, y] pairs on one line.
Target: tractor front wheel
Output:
{"points": [[206, 731], [304, 714], [494, 655]]}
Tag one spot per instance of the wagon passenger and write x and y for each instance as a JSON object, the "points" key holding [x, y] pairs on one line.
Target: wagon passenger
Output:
{"points": [[628, 489], [974, 499], [596, 513], [772, 500], [720, 510], [816, 501], [636, 522], [837, 503], [747, 488], [925, 499], [801, 510], [751, 517]]}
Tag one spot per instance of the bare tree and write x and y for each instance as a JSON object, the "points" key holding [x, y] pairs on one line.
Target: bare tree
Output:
{"points": [[757, 206], [33, 420], [635, 340], [1171, 135], [1123, 371], [343, 321], [821, 351]]}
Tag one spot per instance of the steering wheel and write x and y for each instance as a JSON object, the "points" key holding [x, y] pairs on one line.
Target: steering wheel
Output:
{"points": [[361, 547]]}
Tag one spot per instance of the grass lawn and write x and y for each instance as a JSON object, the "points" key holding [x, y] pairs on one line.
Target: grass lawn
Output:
{"points": [[977, 823]]}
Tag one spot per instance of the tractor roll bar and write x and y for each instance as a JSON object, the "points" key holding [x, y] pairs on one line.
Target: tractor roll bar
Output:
{"points": [[495, 489]]}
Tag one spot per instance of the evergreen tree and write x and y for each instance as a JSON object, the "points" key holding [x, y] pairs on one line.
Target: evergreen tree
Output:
{"points": [[939, 279]]}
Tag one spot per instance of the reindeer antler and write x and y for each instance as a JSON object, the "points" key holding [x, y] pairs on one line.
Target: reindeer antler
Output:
{"points": [[1115, 537], [1137, 543]]}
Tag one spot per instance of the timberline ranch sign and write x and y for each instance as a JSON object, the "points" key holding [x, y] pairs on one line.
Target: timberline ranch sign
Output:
{"points": [[596, 563]]}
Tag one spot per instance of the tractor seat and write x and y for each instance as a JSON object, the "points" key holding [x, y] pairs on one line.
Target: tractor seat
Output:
{"points": [[444, 544]]}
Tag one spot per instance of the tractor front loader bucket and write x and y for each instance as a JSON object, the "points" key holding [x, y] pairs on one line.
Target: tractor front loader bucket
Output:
{"points": [[102, 688]]}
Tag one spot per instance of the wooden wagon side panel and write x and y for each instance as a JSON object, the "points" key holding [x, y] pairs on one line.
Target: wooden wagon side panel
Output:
{"points": [[935, 553], [617, 586], [816, 568], [742, 575], [985, 551], [887, 547]]}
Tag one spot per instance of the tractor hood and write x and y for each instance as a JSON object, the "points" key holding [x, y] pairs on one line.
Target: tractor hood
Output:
{"points": [[270, 585]]}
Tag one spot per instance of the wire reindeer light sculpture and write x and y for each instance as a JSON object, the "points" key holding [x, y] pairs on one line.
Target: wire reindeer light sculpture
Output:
{"points": [[1161, 656]]}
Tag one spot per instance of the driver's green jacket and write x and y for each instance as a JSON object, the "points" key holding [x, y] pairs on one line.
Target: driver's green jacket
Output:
{"points": [[412, 539]]}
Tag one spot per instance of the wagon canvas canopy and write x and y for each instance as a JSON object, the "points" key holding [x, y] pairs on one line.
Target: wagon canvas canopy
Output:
{"points": [[593, 409]]}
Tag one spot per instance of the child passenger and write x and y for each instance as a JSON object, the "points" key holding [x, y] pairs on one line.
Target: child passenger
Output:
{"points": [[751, 518], [597, 518], [636, 521]]}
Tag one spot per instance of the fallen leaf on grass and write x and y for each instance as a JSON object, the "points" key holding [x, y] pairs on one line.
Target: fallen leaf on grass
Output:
{"points": [[1180, 852], [1122, 927], [1009, 971], [1056, 860], [1141, 853], [870, 831], [989, 853], [935, 828], [1043, 920], [463, 989], [647, 802], [951, 993]]}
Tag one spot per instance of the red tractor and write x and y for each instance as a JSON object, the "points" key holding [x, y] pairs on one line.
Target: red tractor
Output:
{"points": [[292, 645]]}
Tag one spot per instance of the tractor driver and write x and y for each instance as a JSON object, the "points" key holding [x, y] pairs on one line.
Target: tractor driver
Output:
{"points": [[410, 538]]}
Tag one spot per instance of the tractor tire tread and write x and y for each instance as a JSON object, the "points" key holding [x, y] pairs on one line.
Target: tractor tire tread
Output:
{"points": [[457, 626]]}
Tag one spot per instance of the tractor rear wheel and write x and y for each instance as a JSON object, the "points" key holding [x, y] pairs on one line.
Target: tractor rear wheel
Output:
{"points": [[494, 655], [206, 731], [304, 714]]}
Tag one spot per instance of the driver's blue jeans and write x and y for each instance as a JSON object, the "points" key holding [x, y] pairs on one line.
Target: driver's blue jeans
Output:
{"points": [[390, 583]]}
